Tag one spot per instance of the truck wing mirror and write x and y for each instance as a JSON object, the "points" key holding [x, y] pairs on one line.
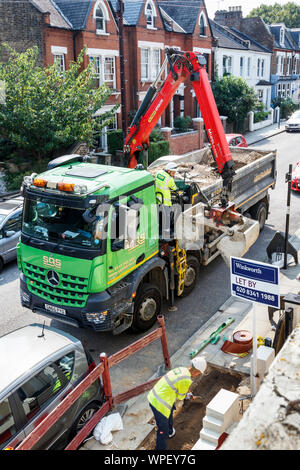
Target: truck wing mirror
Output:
{"points": [[9, 233]]}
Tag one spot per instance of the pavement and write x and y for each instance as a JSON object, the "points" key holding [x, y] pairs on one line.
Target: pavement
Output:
{"points": [[137, 416], [261, 134]]}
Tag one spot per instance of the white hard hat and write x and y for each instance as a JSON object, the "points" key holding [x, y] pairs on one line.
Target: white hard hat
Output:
{"points": [[199, 363], [171, 166]]}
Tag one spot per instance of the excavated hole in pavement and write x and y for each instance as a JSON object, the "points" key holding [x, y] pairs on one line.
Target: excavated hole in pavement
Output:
{"points": [[189, 415]]}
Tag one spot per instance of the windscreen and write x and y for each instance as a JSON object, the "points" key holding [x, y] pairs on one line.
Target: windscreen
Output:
{"points": [[64, 225]]}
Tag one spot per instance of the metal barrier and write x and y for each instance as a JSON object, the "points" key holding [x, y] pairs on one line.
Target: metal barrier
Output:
{"points": [[110, 400]]}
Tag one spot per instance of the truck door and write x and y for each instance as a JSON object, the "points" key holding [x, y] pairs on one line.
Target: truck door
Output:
{"points": [[126, 238]]}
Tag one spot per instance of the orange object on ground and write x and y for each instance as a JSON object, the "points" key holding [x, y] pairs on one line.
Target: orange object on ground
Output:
{"points": [[241, 345]]}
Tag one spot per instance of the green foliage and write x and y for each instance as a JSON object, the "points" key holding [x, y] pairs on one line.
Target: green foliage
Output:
{"points": [[13, 181], [158, 149], [156, 135], [260, 114], [287, 106], [234, 98], [46, 111], [114, 141], [289, 14], [183, 124]]}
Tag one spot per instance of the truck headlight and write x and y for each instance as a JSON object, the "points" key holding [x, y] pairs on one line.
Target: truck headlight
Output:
{"points": [[25, 297], [98, 317]]}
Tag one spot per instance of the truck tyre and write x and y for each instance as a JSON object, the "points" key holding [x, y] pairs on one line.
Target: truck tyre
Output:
{"points": [[147, 307], [191, 275], [260, 213]]}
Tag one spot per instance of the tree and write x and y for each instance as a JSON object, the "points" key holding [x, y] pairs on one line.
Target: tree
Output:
{"points": [[234, 99], [289, 14], [45, 111]]}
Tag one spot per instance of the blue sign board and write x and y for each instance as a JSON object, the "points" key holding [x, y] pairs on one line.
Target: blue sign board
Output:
{"points": [[257, 282]]}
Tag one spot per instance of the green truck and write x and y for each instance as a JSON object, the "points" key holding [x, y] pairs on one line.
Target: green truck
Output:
{"points": [[91, 253]]}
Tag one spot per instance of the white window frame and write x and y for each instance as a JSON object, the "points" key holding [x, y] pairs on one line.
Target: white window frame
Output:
{"points": [[61, 61], [100, 69], [151, 72], [229, 64], [295, 66], [202, 17], [101, 5], [281, 40], [249, 67], [280, 64], [152, 15], [288, 65], [262, 67], [242, 64]]}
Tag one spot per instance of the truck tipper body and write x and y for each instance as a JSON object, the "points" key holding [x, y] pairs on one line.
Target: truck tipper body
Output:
{"points": [[91, 253]]}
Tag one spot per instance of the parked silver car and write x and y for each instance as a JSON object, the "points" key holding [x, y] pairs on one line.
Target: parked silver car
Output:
{"points": [[10, 228], [39, 366], [293, 123]]}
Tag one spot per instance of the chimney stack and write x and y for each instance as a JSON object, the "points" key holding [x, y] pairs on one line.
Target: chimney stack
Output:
{"points": [[233, 17]]}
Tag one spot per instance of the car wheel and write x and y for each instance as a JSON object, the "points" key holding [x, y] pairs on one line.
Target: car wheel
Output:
{"points": [[191, 275], [1, 264], [84, 416], [260, 213], [147, 307]]}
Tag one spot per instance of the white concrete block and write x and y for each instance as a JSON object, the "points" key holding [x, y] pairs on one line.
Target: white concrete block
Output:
{"points": [[210, 422], [265, 357], [210, 436], [224, 406], [201, 444]]}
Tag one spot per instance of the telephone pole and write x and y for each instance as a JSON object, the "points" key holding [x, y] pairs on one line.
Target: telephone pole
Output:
{"points": [[122, 68]]}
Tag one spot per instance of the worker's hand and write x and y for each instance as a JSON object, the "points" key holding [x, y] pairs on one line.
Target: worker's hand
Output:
{"points": [[189, 396]]}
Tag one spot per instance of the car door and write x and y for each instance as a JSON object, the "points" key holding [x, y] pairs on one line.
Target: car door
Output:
{"points": [[11, 232], [40, 394], [11, 432]]}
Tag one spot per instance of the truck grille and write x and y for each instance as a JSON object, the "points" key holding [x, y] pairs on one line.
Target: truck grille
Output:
{"points": [[71, 291]]}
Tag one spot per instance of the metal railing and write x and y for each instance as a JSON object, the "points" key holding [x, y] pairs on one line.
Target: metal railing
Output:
{"points": [[103, 369]]}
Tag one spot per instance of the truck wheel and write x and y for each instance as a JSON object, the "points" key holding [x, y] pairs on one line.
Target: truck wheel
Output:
{"points": [[191, 275], [260, 213], [147, 306]]}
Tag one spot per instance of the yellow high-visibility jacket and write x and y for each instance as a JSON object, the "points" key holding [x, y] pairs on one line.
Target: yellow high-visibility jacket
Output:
{"points": [[172, 386], [164, 183]]}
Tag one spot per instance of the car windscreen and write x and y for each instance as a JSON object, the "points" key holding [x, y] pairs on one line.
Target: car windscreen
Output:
{"points": [[296, 115], [2, 217], [64, 225]]}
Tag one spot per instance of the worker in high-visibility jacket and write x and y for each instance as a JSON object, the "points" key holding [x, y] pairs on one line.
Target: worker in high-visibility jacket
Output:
{"points": [[172, 386], [164, 184]]}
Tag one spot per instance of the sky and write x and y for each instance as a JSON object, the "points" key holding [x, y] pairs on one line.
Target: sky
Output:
{"points": [[247, 5]]}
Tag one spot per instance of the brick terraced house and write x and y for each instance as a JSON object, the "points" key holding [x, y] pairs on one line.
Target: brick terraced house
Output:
{"points": [[61, 28]]}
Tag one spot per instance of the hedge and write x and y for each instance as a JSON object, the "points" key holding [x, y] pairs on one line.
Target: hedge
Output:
{"points": [[114, 141], [158, 149]]}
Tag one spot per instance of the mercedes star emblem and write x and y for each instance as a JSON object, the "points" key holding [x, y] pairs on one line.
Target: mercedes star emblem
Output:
{"points": [[53, 278]]}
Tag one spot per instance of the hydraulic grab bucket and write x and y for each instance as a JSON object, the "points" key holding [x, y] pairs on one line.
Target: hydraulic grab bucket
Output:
{"points": [[238, 239], [238, 235]]}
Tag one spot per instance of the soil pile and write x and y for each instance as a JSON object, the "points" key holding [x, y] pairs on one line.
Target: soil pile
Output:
{"points": [[206, 172]]}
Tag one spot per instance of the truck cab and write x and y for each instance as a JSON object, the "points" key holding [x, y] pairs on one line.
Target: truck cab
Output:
{"points": [[85, 228]]}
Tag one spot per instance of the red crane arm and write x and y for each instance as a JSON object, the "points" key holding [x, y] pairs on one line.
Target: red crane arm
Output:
{"points": [[156, 101]]}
